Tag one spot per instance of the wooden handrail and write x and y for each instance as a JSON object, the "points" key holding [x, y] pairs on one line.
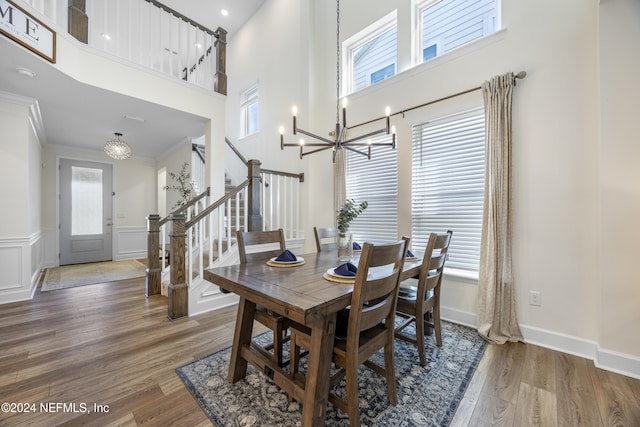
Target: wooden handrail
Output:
{"points": [[181, 16], [236, 151], [193, 201], [300, 176], [215, 205], [194, 147]]}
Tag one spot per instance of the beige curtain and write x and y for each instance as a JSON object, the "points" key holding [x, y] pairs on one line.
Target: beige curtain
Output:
{"points": [[497, 321], [339, 182]]}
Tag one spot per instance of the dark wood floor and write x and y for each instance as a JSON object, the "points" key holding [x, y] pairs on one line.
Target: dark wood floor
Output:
{"points": [[108, 345]]}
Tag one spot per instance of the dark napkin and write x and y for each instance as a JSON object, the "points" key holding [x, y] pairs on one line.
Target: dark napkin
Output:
{"points": [[410, 254], [346, 269], [286, 256], [356, 246]]}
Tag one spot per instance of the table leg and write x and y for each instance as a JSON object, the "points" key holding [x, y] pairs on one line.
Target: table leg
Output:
{"points": [[241, 337], [316, 390]]}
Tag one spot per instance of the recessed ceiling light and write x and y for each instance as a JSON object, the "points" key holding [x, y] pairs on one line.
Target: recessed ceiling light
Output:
{"points": [[224, 12], [25, 72], [106, 36]]}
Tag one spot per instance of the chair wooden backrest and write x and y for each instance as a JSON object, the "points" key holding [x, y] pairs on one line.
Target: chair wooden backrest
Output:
{"points": [[374, 298], [323, 233], [252, 239], [432, 267]]}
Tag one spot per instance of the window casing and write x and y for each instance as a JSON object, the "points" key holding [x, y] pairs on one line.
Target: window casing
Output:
{"points": [[443, 25], [376, 182], [371, 55], [249, 111], [447, 190]]}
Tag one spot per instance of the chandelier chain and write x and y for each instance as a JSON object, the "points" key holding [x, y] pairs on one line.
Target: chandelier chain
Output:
{"points": [[337, 61]]}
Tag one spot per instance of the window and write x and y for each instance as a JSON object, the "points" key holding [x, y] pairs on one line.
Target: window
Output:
{"points": [[372, 54], [447, 24], [447, 190], [374, 181], [249, 111]]}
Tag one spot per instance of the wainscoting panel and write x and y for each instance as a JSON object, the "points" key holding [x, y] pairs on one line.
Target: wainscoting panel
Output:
{"points": [[130, 242], [20, 264]]}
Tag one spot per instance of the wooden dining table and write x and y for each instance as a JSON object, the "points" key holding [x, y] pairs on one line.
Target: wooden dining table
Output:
{"points": [[301, 293]]}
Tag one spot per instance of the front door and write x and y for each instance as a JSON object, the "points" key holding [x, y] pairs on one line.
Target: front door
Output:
{"points": [[86, 195]]}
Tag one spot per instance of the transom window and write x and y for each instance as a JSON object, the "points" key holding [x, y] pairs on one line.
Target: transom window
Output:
{"points": [[444, 25], [371, 55], [249, 111]]}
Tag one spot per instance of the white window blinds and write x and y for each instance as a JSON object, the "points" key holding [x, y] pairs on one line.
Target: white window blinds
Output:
{"points": [[448, 184], [374, 181]]}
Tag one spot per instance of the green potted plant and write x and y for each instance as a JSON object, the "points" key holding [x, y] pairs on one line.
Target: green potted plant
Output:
{"points": [[347, 213]]}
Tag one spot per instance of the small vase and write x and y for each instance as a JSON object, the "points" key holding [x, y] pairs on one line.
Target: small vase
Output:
{"points": [[345, 247]]}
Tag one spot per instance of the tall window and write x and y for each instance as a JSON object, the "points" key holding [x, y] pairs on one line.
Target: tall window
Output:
{"points": [[448, 184], [447, 24], [372, 54], [249, 111], [374, 181]]}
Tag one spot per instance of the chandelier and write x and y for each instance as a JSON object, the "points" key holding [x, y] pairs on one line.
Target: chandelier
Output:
{"points": [[340, 140], [117, 149]]}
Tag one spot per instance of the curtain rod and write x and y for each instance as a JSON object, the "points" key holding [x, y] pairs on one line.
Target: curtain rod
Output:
{"points": [[520, 75]]}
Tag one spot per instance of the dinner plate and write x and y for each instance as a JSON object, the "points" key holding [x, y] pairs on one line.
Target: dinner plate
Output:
{"points": [[331, 272], [297, 261]]}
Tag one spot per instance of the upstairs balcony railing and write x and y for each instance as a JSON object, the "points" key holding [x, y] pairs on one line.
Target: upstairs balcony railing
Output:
{"points": [[147, 33]]}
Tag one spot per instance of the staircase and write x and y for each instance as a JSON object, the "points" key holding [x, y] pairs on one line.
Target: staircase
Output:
{"points": [[203, 236]]}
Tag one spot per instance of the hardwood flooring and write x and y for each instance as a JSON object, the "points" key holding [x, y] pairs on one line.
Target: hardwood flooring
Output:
{"points": [[108, 345]]}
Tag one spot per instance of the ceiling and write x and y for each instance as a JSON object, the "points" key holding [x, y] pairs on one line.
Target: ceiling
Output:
{"points": [[83, 116]]}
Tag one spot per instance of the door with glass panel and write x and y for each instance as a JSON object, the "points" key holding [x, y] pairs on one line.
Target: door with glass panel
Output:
{"points": [[86, 195]]}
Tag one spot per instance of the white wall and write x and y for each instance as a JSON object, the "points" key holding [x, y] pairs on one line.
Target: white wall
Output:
{"points": [[619, 154], [571, 197], [21, 244], [134, 184]]}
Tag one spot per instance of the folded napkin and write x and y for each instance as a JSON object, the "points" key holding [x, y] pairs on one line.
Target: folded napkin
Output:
{"points": [[356, 246], [410, 254], [286, 256], [346, 269]]}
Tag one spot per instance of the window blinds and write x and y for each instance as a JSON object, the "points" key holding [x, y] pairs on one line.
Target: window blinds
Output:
{"points": [[448, 184], [375, 181]]}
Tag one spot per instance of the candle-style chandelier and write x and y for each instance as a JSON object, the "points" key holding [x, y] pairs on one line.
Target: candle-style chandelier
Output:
{"points": [[339, 135]]}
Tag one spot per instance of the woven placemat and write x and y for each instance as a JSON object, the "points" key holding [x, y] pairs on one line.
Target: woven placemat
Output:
{"points": [[278, 264], [331, 278]]}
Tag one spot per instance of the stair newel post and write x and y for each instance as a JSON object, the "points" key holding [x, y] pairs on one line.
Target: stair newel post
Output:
{"points": [[78, 21], [153, 277], [255, 218], [177, 291], [220, 84]]}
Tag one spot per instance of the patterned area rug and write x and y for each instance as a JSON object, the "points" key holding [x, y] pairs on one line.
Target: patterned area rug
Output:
{"points": [[69, 276], [427, 396]]}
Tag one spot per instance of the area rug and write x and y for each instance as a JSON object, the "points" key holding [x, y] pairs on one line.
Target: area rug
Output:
{"points": [[427, 396], [69, 276]]}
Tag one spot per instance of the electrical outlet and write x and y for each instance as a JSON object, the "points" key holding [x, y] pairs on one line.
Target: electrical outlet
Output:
{"points": [[535, 298]]}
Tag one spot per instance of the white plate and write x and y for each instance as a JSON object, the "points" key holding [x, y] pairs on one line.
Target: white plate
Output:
{"points": [[411, 259], [299, 260], [331, 272]]}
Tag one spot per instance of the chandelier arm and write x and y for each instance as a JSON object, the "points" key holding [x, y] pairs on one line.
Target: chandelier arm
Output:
{"points": [[358, 151], [316, 150], [309, 144], [304, 132], [358, 138]]}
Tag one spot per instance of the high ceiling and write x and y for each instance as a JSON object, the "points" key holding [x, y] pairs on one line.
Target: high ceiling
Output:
{"points": [[78, 115]]}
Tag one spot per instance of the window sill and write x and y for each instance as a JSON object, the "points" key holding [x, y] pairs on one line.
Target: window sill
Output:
{"points": [[461, 275]]}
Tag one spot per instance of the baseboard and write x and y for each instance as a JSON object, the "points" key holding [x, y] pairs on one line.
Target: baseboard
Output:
{"points": [[624, 364], [609, 360]]}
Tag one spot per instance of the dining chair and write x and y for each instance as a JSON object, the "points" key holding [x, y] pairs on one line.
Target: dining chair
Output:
{"points": [[368, 327], [322, 234], [421, 303], [256, 246]]}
